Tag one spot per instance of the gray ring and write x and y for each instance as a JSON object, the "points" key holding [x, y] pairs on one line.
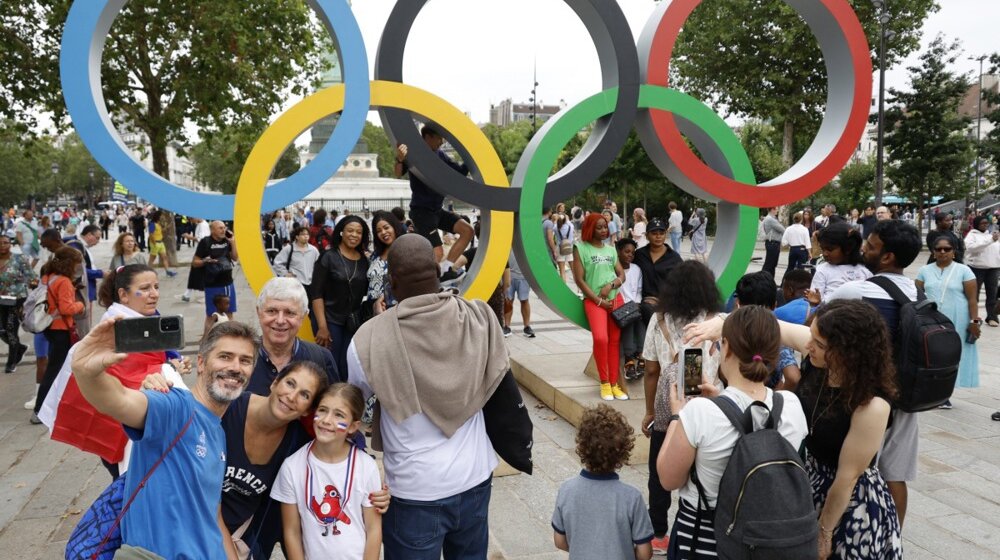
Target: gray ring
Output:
{"points": [[616, 50]]}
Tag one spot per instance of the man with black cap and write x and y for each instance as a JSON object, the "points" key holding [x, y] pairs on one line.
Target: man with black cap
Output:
{"points": [[425, 207], [655, 260]]}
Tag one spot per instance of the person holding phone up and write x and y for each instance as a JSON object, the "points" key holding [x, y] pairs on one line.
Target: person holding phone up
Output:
{"points": [[688, 294]]}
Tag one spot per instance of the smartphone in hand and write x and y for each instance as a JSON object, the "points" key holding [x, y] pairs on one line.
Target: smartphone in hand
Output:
{"points": [[693, 360], [149, 334]]}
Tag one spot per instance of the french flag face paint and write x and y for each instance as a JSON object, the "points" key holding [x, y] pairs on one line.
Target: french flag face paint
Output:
{"points": [[341, 426]]}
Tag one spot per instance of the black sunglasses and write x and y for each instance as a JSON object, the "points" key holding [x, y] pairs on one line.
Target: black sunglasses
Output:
{"points": [[943, 249]]}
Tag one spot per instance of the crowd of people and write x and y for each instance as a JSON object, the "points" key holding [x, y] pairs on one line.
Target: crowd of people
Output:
{"points": [[267, 445]]}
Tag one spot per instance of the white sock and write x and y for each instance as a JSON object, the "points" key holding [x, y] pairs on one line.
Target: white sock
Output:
{"points": [[445, 266]]}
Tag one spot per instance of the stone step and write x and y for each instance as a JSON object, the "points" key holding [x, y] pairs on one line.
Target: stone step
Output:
{"points": [[568, 384]]}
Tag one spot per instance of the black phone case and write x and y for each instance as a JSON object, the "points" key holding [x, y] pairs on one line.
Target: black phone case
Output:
{"points": [[143, 334]]}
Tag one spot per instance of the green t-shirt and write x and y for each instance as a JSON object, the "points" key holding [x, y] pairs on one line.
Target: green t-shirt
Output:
{"points": [[598, 266]]}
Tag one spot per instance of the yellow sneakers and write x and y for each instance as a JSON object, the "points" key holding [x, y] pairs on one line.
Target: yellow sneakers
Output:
{"points": [[618, 393], [606, 393]]}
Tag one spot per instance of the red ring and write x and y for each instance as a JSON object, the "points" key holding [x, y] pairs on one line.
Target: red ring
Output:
{"points": [[779, 190]]}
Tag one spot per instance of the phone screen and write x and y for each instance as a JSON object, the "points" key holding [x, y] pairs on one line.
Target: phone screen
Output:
{"points": [[693, 358]]}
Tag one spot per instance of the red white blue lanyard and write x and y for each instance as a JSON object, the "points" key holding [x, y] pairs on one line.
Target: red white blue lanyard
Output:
{"points": [[344, 497]]}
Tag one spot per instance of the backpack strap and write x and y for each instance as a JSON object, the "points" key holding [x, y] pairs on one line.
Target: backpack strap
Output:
{"points": [[738, 418], [892, 289], [142, 484]]}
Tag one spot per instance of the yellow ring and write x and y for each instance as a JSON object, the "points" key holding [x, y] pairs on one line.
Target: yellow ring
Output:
{"points": [[302, 116]]}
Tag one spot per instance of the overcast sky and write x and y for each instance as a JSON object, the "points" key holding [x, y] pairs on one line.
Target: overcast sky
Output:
{"points": [[477, 52]]}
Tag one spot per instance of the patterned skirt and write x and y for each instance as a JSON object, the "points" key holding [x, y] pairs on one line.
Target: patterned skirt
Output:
{"points": [[869, 529]]}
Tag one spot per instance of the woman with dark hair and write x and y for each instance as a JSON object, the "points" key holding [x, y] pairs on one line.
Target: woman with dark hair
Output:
{"points": [[848, 380], [16, 275], [386, 228], [298, 259], [130, 292], [340, 283], [598, 275], [841, 249], [701, 435], [943, 223], [952, 286], [60, 275], [319, 232], [688, 294], [126, 252], [982, 254], [272, 241]]}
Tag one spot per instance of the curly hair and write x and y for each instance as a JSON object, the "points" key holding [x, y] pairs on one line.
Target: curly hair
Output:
{"points": [[859, 351], [589, 225], [119, 246], [604, 441], [842, 235], [688, 291]]}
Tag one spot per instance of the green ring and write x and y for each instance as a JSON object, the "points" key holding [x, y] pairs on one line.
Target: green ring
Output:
{"points": [[561, 130]]}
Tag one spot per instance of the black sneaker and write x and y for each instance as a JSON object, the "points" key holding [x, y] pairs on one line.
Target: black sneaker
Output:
{"points": [[506, 332], [22, 349], [451, 277], [528, 332], [946, 405]]}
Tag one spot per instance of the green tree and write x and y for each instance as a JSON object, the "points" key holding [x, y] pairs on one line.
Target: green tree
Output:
{"points": [[758, 59], [27, 163], [509, 142], [167, 65], [762, 143], [990, 148], [929, 152], [219, 160], [378, 143], [851, 189]]}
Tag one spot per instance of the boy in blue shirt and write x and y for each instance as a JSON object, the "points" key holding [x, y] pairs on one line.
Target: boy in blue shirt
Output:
{"points": [[596, 515]]}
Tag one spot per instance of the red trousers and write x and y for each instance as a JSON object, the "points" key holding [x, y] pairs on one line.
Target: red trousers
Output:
{"points": [[606, 336]]}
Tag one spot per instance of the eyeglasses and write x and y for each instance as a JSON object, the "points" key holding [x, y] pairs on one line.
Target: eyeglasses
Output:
{"points": [[943, 249]]}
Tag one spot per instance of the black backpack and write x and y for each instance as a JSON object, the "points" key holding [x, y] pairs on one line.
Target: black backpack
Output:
{"points": [[765, 508], [926, 349]]}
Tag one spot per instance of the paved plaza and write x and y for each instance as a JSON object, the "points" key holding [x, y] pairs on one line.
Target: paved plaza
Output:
{"points": [[954, 509]]}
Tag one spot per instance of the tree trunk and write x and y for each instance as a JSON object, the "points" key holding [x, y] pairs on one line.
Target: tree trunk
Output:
{"points": [[787, 157], [161, 166]]}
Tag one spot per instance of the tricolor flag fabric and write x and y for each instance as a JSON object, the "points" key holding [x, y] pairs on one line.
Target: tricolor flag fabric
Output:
{"points": [[71, 419]]}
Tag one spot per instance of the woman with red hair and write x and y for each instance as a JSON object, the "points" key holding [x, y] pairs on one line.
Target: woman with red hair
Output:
{"points": [[598, 274]]}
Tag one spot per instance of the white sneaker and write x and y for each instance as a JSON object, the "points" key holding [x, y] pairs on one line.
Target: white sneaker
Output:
{"points": [[30, 405]]}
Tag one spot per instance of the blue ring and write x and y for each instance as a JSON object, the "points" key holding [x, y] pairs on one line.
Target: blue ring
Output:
{"points": [[87, 28]]}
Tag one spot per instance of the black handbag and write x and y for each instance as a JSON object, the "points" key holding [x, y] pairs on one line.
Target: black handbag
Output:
{"points": [[627, 314], [508, 424]]}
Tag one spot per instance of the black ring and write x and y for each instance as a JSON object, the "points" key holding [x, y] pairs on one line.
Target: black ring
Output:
{"points": [[619, 60]]}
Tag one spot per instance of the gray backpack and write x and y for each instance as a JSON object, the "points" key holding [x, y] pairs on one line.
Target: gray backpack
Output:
{"points": [[36, 309], [765, 509]]}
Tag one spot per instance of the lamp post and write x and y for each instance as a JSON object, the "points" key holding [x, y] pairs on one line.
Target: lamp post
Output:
{"points": [[90, 188], [883, 19], [979, 138]]}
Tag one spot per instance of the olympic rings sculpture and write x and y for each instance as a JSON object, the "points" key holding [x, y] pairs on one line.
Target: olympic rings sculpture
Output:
{"points": [[635, 93]]}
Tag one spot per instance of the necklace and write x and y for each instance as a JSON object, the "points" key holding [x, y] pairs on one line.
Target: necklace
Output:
{"points": [[819, 395], [333, 506]]}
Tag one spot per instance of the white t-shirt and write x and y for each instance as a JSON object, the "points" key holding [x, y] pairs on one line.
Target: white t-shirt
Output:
{"points": [[202, 230], [421, 463], [631, 290], [796, 235], [713, 436], [290, 488], [674, 221], [829, 277]]}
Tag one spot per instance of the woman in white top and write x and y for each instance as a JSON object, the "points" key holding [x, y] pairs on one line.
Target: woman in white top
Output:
{"points": [[639, 228], [702, 435], [634, 334], [982, 254], [297, 259], [841, 246]]}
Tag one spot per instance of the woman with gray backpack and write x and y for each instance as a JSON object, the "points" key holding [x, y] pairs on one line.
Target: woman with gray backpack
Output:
{"points": [[733, 458]]}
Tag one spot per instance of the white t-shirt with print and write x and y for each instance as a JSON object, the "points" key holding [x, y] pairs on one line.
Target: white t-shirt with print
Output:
{"points": [[829, 277], [290, 488], [711, 433], [631, 290]]}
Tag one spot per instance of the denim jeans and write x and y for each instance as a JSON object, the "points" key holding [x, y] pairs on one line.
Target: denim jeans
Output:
{"points": [[675, 240], [457, 525]]}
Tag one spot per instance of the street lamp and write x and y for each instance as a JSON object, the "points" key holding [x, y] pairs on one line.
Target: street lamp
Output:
{"points": [[979, 126], [883, 19], [55, 174]]}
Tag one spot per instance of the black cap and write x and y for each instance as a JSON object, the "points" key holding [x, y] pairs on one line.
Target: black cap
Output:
{"points": [[656, 224]]}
